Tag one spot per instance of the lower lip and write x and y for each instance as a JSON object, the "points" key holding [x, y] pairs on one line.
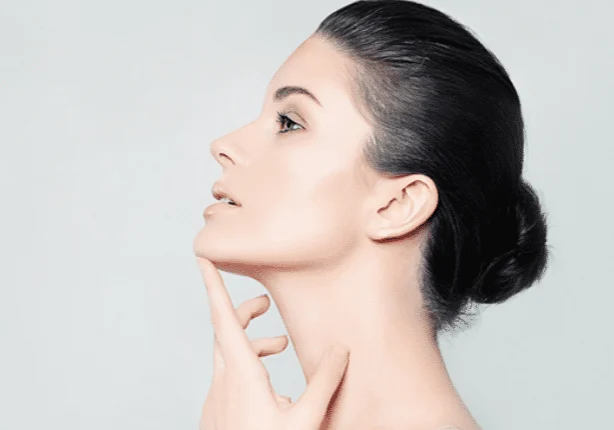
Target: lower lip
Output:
{"points": [[218, 207]]}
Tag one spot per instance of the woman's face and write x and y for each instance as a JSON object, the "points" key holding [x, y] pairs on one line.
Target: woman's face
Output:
{"points": [[301, 183]]}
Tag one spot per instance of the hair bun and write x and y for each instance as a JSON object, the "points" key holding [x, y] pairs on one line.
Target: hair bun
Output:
{"points": [[517, 269]]}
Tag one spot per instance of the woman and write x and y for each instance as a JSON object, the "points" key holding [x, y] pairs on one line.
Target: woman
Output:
{"points": [[379, 195]]}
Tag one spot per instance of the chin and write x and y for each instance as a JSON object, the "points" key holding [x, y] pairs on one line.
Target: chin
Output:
{"points": [[228, 255], [258, 257]]}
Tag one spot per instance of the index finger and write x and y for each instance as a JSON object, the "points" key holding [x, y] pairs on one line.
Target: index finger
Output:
{"points": [[233, 341]]}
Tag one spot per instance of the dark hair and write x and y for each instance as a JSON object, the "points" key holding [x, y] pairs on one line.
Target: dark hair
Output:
{"points": [[442, 105]]}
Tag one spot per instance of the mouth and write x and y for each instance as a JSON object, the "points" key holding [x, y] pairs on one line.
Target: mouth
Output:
{"points": [[230, 202], [223, 195], [219, 207]]}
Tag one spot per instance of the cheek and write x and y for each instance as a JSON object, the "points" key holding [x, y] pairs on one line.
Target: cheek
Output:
{"points": [[310, 214], [300, 205]]}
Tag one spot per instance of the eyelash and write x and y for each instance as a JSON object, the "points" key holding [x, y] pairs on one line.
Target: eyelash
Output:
{"points": [[283, 119]]}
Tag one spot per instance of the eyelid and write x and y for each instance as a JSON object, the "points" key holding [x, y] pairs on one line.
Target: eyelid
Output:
{"points": [[287, 113], [293, 109], [290, 112]]}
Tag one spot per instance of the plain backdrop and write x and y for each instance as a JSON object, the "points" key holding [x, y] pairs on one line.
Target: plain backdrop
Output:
{"points": [[107, 111]]}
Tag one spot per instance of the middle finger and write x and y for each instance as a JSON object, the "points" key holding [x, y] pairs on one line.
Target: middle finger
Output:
{"points": [[245, 312], [233, 342], [251, 309]]}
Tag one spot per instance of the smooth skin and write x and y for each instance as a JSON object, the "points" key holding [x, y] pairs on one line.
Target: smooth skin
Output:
{"points": [[241, 396], [336, 245]]}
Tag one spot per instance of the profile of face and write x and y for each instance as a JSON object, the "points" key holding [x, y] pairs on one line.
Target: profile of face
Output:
{"points": [[300, 179]]}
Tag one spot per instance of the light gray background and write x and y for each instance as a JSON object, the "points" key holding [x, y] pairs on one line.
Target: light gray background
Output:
{"points": [[107, 111]]}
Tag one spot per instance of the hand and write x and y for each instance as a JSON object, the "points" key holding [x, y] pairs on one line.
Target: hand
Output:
{"points": [[263, 347], [241, 396]]}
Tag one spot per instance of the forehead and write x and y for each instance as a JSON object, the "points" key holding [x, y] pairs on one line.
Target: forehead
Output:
{"points": [[317, 66]]}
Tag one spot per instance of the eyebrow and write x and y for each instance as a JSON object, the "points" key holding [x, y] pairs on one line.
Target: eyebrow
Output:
{"points": [[286, 91]]}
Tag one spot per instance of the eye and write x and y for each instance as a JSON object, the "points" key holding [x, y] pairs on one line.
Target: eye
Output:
{"points": [[282, 119]]}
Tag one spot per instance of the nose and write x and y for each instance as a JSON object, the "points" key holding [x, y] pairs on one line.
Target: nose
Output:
{"points": [[221, 152]]}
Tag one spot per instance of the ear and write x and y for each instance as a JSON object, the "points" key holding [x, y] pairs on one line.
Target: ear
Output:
{"points": [[400, 205]]}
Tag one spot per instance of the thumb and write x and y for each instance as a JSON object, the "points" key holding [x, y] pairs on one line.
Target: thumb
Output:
{"points": [[313, 403]]}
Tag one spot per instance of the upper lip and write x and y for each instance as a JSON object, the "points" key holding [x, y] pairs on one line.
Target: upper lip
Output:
{"points": [[220, 191]]}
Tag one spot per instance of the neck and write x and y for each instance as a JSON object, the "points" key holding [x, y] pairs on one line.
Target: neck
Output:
{"points": [[396, 372]]}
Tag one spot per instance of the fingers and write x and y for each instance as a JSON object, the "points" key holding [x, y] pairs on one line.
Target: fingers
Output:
{"points": [[314, 401], [269, 345], [251, 309], [232, 339], [245, 312]]}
